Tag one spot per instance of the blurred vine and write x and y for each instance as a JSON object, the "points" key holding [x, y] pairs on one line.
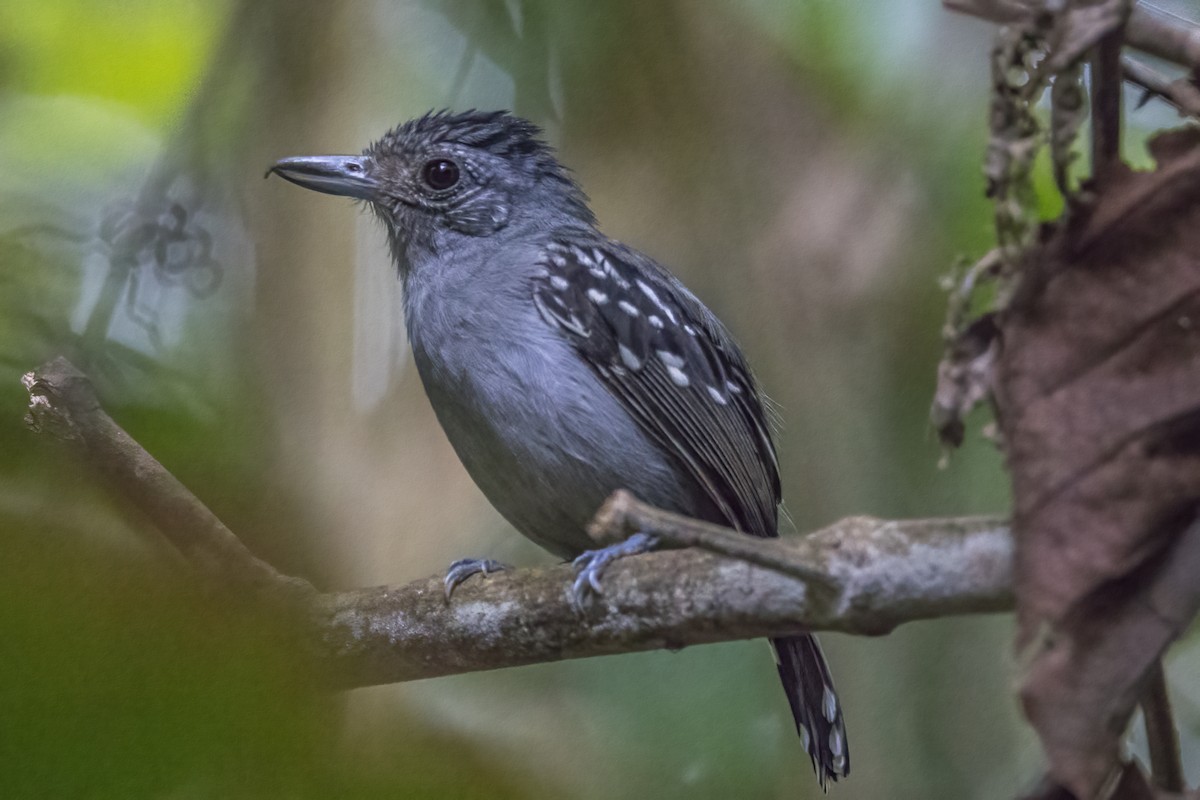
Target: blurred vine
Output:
{"points": [[1043, 50]]}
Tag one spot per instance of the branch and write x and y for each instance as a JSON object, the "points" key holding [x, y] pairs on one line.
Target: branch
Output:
{"points": [[1160, 33], [63, 404], [881, 573], [1150, 29], [860, 575]]}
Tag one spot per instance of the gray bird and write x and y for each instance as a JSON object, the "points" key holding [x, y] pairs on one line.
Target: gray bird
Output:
{"points": [[563, 365]]}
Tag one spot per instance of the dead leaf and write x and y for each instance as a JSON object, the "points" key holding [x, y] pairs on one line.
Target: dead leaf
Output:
{"points": [[1098, 396]]}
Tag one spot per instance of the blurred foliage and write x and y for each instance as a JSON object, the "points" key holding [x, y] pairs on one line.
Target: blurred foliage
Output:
{"points": [[138, 54], [810, 169], [122, 678]]}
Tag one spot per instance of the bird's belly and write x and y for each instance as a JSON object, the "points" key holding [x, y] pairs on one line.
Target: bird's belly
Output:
{"points": [[547, 443]]}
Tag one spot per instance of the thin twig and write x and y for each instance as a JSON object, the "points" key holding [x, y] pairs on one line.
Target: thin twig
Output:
{"points": [[1166, 764], [623, 515], [1106, 105], [1182, 93], [63, 403]]}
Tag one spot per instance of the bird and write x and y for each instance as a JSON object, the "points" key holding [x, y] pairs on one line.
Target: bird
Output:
{"points": [[564, 365]]}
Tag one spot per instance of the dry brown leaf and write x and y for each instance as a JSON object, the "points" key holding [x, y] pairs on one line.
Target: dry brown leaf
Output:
{"points": [[1098, 396]]}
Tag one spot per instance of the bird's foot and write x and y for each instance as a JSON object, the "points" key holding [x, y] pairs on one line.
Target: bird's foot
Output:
{"points": [[466, 567], [590, 566]]}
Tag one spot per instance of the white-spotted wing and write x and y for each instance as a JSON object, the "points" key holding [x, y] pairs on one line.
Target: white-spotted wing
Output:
{"points": [[673, 366]]}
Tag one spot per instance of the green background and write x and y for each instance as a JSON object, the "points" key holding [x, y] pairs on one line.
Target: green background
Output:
{"points": [[810, 169]]}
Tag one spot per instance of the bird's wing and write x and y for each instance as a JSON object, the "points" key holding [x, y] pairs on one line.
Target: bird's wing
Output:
{"points": [[671, 364]]}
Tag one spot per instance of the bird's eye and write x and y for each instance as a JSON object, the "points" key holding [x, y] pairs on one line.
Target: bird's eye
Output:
{"points": [[440, 174]]}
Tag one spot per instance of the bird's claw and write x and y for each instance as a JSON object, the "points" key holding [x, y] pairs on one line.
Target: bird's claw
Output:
{"points": [[466, 567], [591, 564]]}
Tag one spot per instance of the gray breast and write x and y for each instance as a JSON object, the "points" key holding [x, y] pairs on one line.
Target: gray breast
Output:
{"points": [[545, 441]]}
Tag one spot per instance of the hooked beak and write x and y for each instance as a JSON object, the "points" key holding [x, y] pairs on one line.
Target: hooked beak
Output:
{"points": [[345, 176]]}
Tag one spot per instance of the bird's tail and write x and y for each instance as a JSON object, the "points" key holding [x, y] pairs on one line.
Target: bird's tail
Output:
{"points": [[815, 705]]}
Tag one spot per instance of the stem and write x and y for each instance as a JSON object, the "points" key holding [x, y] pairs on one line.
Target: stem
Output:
{"points": [[1166, 764], [1106, 105]]}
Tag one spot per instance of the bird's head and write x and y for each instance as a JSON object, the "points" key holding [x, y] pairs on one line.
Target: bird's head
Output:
{"points": [[442, 177]]}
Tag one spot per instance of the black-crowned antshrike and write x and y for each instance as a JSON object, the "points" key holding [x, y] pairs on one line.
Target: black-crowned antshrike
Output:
{"points": [[564, 365]]}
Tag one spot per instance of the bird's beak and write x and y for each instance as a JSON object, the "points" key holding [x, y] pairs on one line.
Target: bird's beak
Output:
{"points": [[346, 176]]}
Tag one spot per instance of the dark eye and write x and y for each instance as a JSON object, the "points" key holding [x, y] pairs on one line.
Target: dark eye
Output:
{"points": [[440, 174]]}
